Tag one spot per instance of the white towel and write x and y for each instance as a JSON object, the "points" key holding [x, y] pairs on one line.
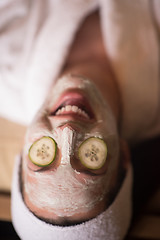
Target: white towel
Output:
{"points": [[33, 50], [112, 224], [35, 38]]}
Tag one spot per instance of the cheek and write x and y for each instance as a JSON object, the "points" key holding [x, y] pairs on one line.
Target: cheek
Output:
{"points": [[105, 119], [29, 183], [35, 133], [39, 126], [31, 165]]}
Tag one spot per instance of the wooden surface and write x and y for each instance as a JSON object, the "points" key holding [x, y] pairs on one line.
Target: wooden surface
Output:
{"points": [[5, 212], [146, 192], [11, 142]]}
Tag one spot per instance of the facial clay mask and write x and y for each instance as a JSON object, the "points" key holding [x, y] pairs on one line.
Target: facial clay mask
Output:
{"points": [[111, 224], [64, 190], [61, 190]]}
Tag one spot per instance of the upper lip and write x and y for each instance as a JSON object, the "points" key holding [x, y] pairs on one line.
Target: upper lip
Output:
{"points": [[78, 106]]}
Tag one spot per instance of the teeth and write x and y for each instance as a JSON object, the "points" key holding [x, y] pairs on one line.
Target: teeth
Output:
{"points": [[74, 109], [79, 111], [68, 108], [62, 109], [58, 112]]}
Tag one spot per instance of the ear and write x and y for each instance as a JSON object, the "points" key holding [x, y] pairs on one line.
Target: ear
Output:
{"points": [[125, 153]]}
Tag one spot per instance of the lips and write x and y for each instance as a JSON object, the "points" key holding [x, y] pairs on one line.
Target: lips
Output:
{"points": [[72, 109], [73, 104]]}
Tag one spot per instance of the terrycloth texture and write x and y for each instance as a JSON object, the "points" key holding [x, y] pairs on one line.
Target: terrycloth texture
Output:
{"points": [[111, 224], [35, 38], [34, 49], [132, 43]]}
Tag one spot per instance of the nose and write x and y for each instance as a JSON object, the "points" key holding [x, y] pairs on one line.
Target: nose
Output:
{"points": [[67, 140]]}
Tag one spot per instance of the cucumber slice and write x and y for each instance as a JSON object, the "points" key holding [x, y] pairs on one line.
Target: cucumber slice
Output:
{"points": [[93, 153], [43, 151]]}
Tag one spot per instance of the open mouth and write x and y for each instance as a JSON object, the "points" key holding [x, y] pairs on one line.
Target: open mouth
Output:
{"points": [[74, 105]]}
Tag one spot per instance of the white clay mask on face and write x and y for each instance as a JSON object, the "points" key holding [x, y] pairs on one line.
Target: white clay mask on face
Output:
{"points": [[60, 191], [111, 224], [87, 86]]}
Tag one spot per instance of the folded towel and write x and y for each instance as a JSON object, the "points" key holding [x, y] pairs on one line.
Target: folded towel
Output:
{"points": [[112, 224], [35, 39]]}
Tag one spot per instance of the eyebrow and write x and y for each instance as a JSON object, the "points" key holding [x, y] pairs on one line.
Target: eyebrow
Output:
{"points": [[42, 169], [64, 222]]}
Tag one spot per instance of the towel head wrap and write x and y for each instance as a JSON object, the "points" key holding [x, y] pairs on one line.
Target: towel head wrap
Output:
{"points": [[112, 224]]}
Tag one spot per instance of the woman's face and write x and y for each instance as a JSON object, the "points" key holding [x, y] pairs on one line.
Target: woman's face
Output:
{"points": [[66, 190]]}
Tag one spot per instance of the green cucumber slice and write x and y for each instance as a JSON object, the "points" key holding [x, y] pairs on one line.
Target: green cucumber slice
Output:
{"points": [[43, 151], [93, 153]]}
